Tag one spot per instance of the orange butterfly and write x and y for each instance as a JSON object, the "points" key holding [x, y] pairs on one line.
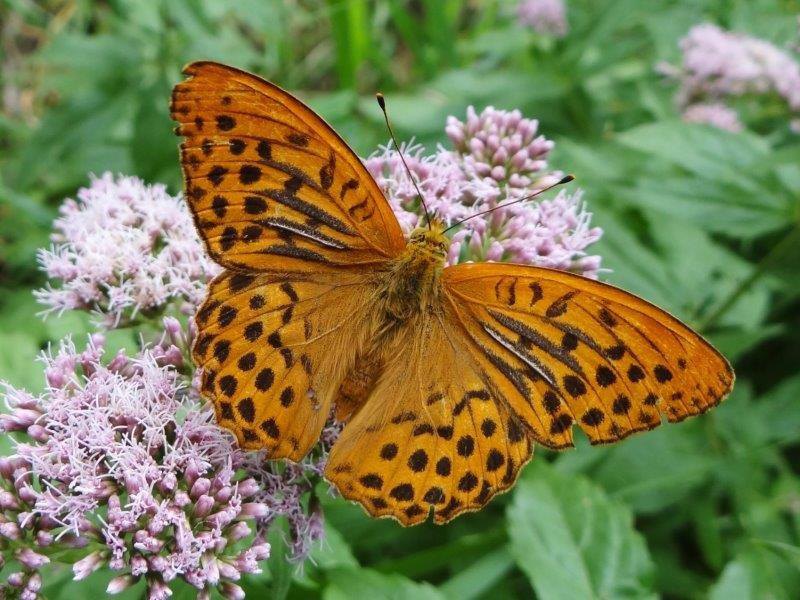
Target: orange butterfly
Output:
{"points": [[445, 376]]}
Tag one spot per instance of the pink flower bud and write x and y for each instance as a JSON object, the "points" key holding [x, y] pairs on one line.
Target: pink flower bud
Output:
{"points": [[10, 531], [203, 506], [120, 584], [228, 571], [224, 494], [231, 591], [239, 531], [200, 487], [44, 539], [31, 559], [8, 501], [138, 566], [248, 487], [34, 584], [87, 565], [257, 510]]}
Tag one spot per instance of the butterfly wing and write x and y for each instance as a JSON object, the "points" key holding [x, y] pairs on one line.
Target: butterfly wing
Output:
{"points": [[563, 350], [272, 187], [432, 435], [282, 202], [271, 349]]}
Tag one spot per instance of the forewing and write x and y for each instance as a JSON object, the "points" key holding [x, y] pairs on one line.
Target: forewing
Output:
{"points": [[431, 436], [270, 351], [272, 187], [564, 350]]}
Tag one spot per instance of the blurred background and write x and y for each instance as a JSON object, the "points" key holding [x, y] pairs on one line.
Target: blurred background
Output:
{"points": [[681, 122]]}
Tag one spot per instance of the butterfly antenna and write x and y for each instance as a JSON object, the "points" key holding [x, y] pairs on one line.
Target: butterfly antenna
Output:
{"points": [[562, 181], [382, 104]]}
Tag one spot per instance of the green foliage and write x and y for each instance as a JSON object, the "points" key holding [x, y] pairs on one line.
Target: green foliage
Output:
{"points": [[703, 222], [573, 541]]}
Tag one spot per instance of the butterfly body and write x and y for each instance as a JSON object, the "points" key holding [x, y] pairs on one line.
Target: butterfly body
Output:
{"points": [[444, 375], [407, 292], [412, 282]]}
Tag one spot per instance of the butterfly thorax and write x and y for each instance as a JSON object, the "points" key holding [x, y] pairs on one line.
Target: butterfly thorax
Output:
{"points": [[412, 283]]}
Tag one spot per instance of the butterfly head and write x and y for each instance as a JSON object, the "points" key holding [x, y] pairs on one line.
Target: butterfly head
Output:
{"points": [[431, 241]]}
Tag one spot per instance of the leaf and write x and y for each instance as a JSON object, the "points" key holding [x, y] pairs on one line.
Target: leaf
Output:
{"points": [[573, 541], [713, 205], [281, 569], [153, 142], [18, 364], [788, 551], [346, 584], [756, 574], [479, 577], [779, 408], [708, 152], [333, 551], [654, 471], [707, 176], [59, 584]]}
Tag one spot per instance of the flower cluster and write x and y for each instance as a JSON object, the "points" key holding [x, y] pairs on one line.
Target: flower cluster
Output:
{"points": [[497, 156], [121, 248], [716, 114], [504, 146], [548, 17], [719, 65], [128, 440], [282, 487]]}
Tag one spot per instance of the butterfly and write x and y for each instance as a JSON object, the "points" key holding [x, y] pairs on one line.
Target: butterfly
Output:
{"points": [[445, 376]]}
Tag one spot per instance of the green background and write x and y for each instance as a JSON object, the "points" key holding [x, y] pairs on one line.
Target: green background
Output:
{"points": [[700, 221]]}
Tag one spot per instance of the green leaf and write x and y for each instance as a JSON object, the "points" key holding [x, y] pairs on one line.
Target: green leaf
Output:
{"points": [[479, 577], [153, 146], [708, 152], [788, 551], [333, 552], [780, 410], [18, 364], [756, 574], [713, 205], [654, 471], [707, 176], [280, 567], [346, 584], [573, 541]]}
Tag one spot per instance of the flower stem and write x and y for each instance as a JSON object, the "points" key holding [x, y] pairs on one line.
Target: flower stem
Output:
{"points": [[775, 253]]}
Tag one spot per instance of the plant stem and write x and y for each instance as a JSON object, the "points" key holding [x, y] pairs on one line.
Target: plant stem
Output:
{"points": [[776, 252]]}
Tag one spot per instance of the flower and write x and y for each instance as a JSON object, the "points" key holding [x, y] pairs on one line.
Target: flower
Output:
{"points": [[718, 65], [498, 156], [715, 114], [123, 247], [122, 461], [502, 146], [548, 17], [549, 233], [440, 178], [283, 486]]}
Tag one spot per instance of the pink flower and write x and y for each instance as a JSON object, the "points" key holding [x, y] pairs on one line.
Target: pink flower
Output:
{"points": [[440, 178], [502, 146], [548, 17], [715, 114], [718, 65], [548, 233], [123, 247], [129, 441], [499, 156]]}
